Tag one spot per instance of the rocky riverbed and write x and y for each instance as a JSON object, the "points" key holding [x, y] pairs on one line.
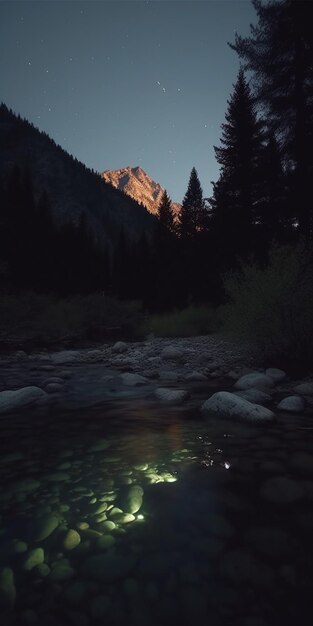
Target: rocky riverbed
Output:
{"points": [[186, 371], [137, 506]]}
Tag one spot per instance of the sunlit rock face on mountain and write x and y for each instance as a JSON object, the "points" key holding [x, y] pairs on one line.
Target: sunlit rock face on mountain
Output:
{"points": [[135, 182]]}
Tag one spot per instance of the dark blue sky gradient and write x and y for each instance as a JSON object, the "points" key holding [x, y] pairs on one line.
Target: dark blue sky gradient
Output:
{"points": [[125, 82]]}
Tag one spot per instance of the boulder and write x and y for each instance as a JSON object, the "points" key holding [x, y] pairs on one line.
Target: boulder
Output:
{"points": [[170, 353], [255, 380], [305, 389], [171, 396], [292, 404], [71, 540], [276, 374], [64, 356], [119, 347], [94, 355], [230, 406], [130, 499], [256, 396], [132, 380], [20, 398], [41, 527], [54, 387]]}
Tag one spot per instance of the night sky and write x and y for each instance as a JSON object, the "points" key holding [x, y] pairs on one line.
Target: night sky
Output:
{"points": [[125, 82]]}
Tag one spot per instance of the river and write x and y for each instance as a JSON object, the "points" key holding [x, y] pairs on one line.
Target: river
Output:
{"points": [[132, 513]]}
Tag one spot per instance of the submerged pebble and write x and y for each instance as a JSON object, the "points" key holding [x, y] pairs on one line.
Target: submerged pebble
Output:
{"points": [[7, 588], [71, 540], [33, 558]]}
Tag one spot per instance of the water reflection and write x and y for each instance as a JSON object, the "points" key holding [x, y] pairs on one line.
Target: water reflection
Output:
{"points": [[160, 521]]}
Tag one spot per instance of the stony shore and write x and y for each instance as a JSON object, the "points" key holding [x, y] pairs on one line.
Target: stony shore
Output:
{"points": [[170, 371]]}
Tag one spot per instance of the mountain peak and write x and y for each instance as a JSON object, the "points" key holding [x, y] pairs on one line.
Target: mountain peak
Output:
{"points": [[135, 182]]}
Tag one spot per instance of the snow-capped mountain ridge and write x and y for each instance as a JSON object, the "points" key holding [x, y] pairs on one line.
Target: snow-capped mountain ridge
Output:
{"points": [[135, 182]]}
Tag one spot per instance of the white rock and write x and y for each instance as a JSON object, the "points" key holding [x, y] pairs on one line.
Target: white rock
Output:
{"points": [[256, 396], [230, 406], [171, 396], [306, 389], [20, 398], [254, 380], [20, 355], [292, 404], [276, 374], [119, 347], [132, 380], [64, 356], [94, 355], [171, 353]]}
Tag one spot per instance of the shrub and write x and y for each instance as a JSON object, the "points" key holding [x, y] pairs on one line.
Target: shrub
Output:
{"points": [[29, 317], [274, 305], [200, 320]]}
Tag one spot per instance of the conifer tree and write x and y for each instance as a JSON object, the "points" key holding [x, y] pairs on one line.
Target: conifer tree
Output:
{"points": [[279, 53], [191, 218], [236, 194], [165, 213], [274, 211]]}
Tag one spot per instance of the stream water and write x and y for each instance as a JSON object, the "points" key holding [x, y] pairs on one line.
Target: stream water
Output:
{"points": [[132, 514]]}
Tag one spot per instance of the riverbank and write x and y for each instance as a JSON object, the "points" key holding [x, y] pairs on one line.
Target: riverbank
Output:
{"points": [[169, 371]]}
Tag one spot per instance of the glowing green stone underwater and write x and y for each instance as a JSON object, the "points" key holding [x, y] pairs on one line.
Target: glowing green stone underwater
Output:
{"points": [[155, 519]]}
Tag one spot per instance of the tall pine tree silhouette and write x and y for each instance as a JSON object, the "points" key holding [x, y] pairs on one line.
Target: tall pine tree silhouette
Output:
{"points": [[191, 218], [274, 211], [279, 52], [165, 213], [236, 194]]}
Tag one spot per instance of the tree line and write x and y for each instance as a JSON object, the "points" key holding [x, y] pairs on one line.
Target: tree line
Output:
{"points": [[262, 194]]}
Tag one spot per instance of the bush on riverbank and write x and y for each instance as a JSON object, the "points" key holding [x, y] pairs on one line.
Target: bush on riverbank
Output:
{"points": [[44, 319], [274, 305], [189, 322]]}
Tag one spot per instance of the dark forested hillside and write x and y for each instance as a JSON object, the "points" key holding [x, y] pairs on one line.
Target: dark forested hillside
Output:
{"points": [[72, 189]]}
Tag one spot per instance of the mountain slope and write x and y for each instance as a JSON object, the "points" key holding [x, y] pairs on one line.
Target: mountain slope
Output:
{"points": [[137, 184], [72, 188]]}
